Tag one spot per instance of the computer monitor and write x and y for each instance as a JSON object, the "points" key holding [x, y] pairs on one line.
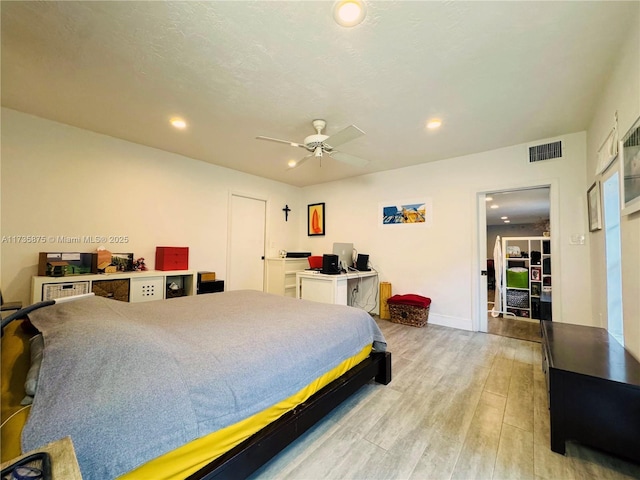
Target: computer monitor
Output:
{"points": [[345, 254]]}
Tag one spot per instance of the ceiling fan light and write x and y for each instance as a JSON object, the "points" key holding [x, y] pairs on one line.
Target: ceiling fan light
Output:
{"points": [[349, 13]]}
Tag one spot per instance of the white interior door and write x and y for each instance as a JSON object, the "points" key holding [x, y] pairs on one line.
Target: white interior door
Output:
{"points": [[246, 243]]}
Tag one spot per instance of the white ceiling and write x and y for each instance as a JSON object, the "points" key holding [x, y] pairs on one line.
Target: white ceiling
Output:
{"points": [[497, 73]]}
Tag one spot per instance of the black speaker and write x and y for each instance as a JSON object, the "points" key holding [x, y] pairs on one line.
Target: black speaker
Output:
{"points": [[362, 263], [330, 264]]}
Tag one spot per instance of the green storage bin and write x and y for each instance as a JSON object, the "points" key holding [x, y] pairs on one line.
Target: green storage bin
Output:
{"points": [[518, 277]]}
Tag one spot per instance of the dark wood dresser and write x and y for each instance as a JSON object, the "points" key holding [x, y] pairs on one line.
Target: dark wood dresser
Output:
{"points": [[594, 389]]}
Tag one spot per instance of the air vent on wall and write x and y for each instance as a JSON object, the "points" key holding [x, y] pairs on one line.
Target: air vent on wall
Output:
{"points": [[545, 152]]}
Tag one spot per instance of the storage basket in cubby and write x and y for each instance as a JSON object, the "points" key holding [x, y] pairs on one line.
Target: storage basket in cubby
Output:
{"points": [[175, 292], [409, 309], [117, 289], [518, 298], [518, 277]]}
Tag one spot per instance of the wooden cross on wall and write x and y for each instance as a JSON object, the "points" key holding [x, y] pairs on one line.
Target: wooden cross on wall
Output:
{"points": [[286, 211]]}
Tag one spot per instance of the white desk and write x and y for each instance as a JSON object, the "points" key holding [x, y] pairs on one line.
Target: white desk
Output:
{"points": [[357, 289]]}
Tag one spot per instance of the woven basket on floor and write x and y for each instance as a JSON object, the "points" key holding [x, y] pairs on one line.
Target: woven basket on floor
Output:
{"points": [[409, 315]]}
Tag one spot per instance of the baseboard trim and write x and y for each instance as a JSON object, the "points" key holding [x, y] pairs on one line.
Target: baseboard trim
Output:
{"points": [[453, 322]]}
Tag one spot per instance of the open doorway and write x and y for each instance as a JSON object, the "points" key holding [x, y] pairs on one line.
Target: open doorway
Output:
{"points": [[518, 232]]}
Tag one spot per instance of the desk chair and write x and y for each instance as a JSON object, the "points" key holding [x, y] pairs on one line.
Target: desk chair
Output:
{"points": [[9, 306]]}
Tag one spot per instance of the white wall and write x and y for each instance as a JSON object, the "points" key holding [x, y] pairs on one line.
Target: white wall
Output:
{"points": [[59, 180], [621, 95], [442, 261]]}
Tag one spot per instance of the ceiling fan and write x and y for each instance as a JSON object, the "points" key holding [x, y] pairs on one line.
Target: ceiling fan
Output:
{"points": [[319, 144]]}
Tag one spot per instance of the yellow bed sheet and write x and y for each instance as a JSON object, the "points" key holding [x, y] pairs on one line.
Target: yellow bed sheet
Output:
{"points": [[173, 465], [15, 364]]}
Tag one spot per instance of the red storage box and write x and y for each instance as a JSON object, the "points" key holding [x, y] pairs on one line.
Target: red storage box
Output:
{"points": [[409, 309], [315, 262], [172, 258]]}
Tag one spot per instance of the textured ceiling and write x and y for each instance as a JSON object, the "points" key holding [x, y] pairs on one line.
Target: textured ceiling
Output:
{"points": [[497, 73]]}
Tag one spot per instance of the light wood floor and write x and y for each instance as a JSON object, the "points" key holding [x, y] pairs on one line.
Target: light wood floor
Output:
{"points": [[514, 328], [461, 405], [511, 326]]}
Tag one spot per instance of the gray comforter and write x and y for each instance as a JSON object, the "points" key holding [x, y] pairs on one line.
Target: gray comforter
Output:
{"points": [[129, 382]]}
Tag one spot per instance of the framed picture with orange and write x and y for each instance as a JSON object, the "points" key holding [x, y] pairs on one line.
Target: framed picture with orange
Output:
{"points": [[315, 219]]}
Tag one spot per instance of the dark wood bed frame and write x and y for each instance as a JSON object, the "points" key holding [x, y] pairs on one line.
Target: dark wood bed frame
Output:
{"points": [[250, 455]]}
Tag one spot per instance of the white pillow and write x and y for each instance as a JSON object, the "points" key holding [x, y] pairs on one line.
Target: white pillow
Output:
{"points": [[31, 383]]}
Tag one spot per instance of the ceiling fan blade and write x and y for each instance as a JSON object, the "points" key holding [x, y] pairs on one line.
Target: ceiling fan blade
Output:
{"points": [[348, 158], [343, 136], [300, 162], [293, 144]]}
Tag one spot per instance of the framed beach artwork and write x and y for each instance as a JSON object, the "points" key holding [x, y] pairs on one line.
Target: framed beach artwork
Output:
{"points": [[629, 151], [315, 219], [405, 213]]}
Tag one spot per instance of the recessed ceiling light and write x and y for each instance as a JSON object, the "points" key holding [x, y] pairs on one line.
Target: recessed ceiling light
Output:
{"points": [[507, 221], [488, 199], [434, 123], [178, 123], [494, 206], [292, 163], [503, 218], [349, 13]]}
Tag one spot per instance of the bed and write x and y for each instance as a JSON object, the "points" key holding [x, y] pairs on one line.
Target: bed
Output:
{"points": [[209, 386]]}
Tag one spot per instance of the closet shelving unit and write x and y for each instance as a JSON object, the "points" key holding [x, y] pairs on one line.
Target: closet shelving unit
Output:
{"points": [[527, 293]]}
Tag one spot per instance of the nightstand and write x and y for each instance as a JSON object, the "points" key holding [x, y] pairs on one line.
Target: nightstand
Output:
{"points": [[64, 465]]}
